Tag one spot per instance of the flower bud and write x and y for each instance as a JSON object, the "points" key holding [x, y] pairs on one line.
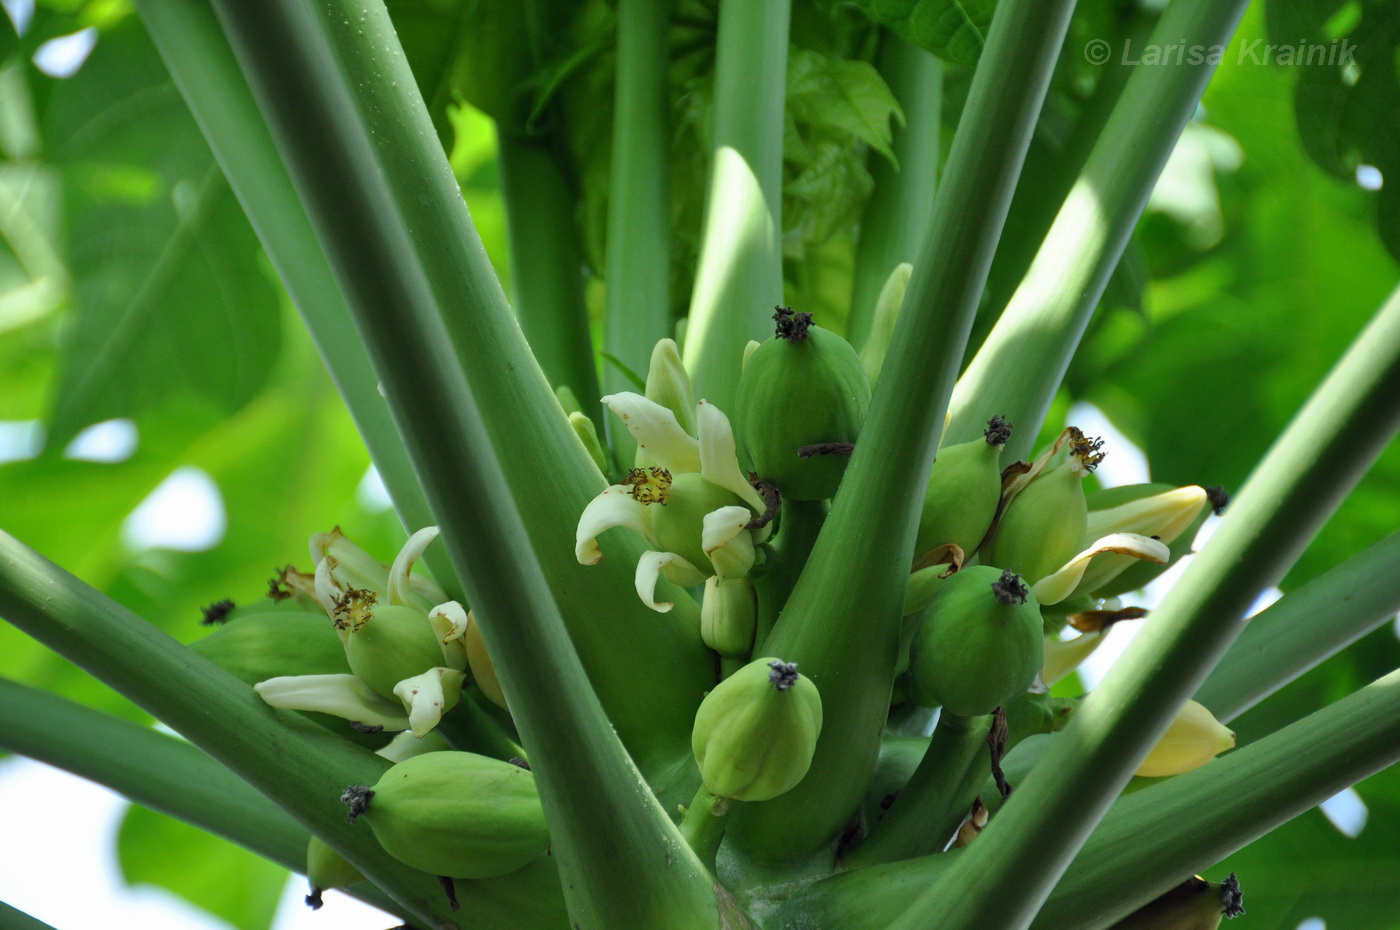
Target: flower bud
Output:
{"points": [[756, 732], [668, 384], [483, 670], [729, 615], [1043, 526], [1193, 739], [1164, 515]]}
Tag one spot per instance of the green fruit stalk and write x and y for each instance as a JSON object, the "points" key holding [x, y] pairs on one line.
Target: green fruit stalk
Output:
{"points": [[802, 392], [979, 645], [755, 733], [455, 814], [964, 489]]}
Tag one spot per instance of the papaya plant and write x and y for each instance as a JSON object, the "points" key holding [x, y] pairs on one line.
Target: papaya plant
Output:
{"points": [[743, 542]]}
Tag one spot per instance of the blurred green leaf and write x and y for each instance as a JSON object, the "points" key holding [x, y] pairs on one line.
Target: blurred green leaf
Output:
{"points": [[210, 873], [1231, 344], [170, 295], [954, 30], [1348, 90], [1308, 867]]}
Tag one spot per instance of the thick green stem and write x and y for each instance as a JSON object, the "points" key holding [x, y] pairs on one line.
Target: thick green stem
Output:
{"points": [[13, 919], [1325, 450], [637, 302], [895, 221], [1305, 627], [551, 476], [155, 771], [937, 797], [203, 67], [469, 727], [842, 623], [1151, 839], [213, 710], [600, 808], [739, 278], [546, 260], [1188, 823], [703, 824], [801, 522], [150, 768], [1020, 365]]}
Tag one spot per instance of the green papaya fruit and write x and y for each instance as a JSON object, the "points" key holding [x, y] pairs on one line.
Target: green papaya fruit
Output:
{"points": [[326, 869], [391, 644], [964, 489], [803, 388], [980, 643], [1043, 527], [1195, 904], [679, 522], [755, 733], [254, 647], [455, 814]]}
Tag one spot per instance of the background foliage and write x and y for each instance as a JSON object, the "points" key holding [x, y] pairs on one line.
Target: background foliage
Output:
{"points": [[132, 287]]}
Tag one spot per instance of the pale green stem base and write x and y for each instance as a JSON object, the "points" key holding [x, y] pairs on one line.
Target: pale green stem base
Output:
{"points": [[703, 824]]}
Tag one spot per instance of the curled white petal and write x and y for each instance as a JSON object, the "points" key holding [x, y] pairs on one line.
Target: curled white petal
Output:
{"points": [[352, 566], [427, 590], [1056, 587], [1063, 657], [614, 507], [659, 436], [727, 543], [1165, 516], [327, 592], [400, 591], [719, 459], [318, 545], [449, 623], [428, 696], [649, 569], [343, 696]]}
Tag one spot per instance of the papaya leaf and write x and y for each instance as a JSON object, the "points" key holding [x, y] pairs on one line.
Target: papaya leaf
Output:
{"points": [[1348, 89], [954, 30], [209, 872], [170, 292]]}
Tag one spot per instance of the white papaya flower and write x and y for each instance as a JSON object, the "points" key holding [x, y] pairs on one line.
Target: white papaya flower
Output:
{"points": [[693, 505]]}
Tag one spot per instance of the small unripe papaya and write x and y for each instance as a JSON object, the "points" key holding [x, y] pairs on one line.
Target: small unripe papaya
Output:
{"points": [[327, 869], [254, 647], [390, 644], [755, 733], [980, 643], [964, 489], [1043, 527], [804, 388], [455, 814]]}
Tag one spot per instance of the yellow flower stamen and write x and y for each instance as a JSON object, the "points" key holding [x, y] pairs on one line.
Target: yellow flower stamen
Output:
{"points": [[649, 485], [353, 609]]}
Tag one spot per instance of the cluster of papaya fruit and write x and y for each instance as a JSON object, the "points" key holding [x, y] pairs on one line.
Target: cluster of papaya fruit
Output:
{"points": [[1006, 560], [366, 650]]}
